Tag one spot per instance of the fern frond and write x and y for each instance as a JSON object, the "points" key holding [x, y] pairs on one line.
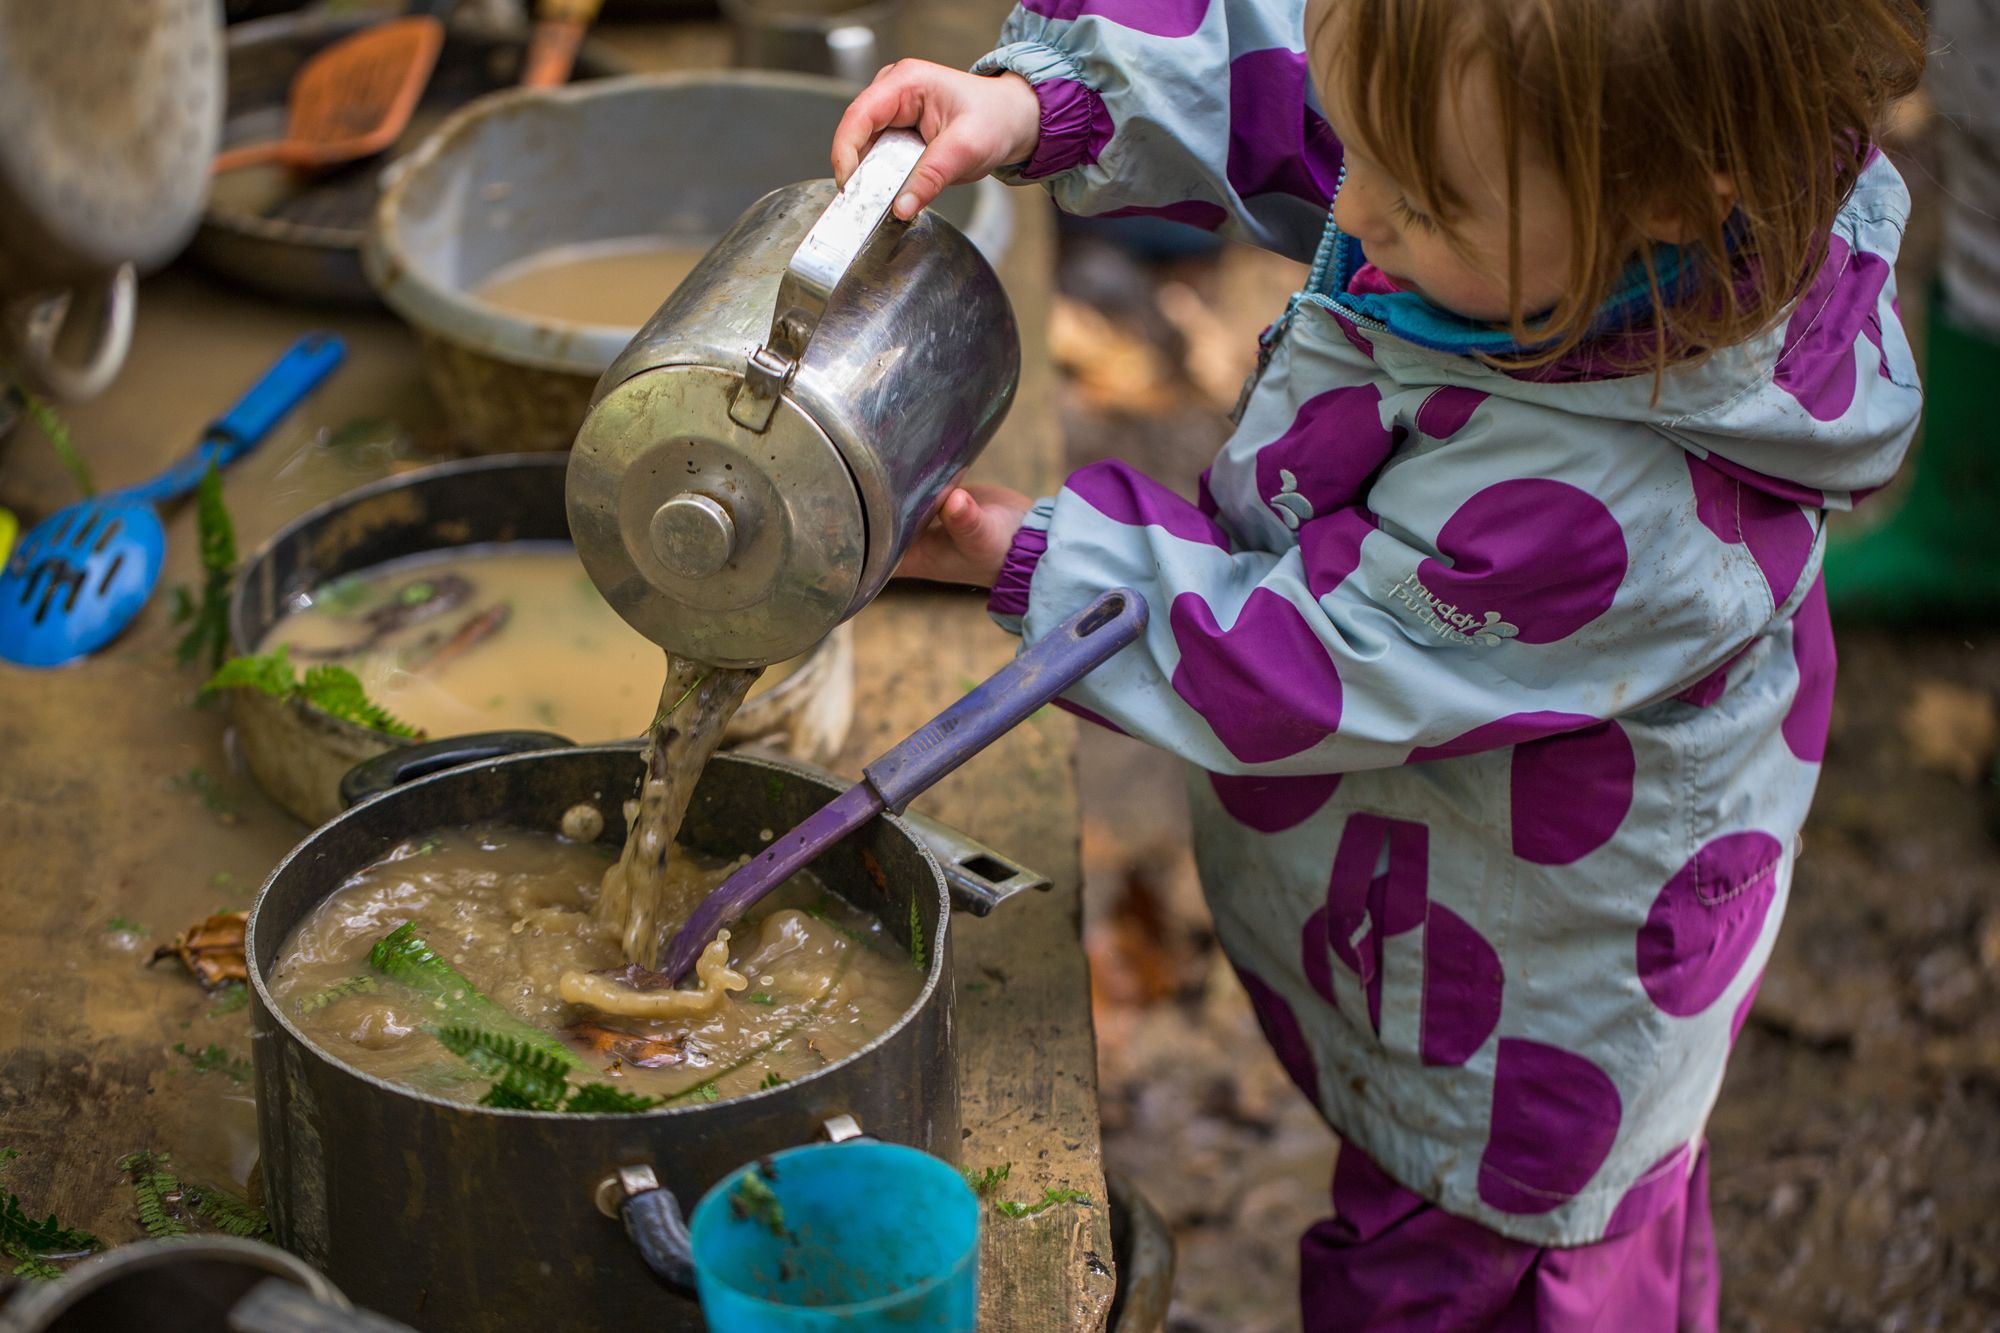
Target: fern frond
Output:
{"points": [[339, 990], [226, 1213], [404, 957], [527, 1072], [603, 1099], [155, 1189]]}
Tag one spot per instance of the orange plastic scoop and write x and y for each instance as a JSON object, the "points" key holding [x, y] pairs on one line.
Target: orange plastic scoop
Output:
{"points": [[559, 26], [353, 98]]}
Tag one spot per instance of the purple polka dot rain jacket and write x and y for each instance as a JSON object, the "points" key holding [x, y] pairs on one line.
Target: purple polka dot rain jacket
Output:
{"points": [[1504, 698]]}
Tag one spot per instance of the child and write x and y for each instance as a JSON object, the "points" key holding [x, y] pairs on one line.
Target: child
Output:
{"points": [[1496, 638]]}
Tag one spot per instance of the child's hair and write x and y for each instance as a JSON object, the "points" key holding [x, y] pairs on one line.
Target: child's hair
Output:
{"points": [[1639, 105]]}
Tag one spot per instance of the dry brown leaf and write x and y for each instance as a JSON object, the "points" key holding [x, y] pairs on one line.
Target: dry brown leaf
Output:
{"points": [[1952, 729], [211, 949], [1112, 369]]}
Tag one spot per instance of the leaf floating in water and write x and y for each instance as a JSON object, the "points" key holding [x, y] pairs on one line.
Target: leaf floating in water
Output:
{"points": [[339, 990], [602, 1098], [404, 957], [639, 1049], [230, 997]]}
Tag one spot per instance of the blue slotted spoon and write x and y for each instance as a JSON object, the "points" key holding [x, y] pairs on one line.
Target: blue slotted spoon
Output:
{"points": [[81, 575]]}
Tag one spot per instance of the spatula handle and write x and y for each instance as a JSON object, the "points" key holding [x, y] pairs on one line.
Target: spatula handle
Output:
{"points": [[294, 375], [1004, 700]]}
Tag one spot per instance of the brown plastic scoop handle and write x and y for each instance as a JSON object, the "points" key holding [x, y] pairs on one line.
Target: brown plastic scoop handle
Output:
{"points": [[352, 99]]}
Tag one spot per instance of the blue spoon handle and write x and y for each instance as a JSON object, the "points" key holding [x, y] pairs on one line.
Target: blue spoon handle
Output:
{"points": [[295, 374]]}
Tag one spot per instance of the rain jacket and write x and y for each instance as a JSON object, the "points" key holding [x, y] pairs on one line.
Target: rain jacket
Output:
{"points": [[1504, 695]]}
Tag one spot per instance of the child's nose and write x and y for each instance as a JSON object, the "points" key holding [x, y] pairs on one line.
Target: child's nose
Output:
{"points": [[1362, 211]]}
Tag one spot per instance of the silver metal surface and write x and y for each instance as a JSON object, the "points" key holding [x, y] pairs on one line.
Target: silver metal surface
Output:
{"points": [[823, 260], [693, 535], [823, 378], [622, 1184]]}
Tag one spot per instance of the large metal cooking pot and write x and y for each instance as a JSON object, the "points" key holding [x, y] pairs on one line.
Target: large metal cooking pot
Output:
{"points": [[299, 754], [760, 456], [454, 1217]]}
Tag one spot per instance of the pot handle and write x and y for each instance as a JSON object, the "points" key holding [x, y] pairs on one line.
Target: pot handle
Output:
{"points": [[35, 327], [980, 879], [652, 1215], [393, 768], [829, 252]]}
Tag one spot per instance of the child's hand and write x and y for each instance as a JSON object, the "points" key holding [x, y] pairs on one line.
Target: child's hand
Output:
{"points": [[968, 539], [972, 122]]}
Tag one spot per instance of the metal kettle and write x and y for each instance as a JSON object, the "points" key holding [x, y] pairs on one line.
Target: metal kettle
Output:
{"points": [[758, 458]]}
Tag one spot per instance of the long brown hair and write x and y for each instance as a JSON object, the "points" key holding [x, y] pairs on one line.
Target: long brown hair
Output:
{"points": [[1639, 105]]}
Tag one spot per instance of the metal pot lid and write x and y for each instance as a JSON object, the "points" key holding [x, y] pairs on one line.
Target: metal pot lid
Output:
{"points": [[720, 544], [112, 114]]}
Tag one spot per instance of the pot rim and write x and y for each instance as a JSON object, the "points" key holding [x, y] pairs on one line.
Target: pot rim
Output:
{"points": [[240, 613], [934, 964], [452, 314]]}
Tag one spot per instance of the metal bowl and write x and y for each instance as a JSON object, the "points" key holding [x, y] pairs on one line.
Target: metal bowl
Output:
{"points": [[299, 754], [300, 237], [520, 173]]}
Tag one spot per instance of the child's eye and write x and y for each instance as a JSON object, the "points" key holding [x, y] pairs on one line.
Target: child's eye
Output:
{"points": [[1421, 221]]}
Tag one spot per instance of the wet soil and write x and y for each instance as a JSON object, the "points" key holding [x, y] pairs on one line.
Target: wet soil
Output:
{"points": [[1856, 1145]]}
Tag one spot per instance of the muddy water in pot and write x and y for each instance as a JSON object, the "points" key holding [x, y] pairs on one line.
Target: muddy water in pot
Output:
{"points": [[616, 282], [513, 910], [482, 639]]}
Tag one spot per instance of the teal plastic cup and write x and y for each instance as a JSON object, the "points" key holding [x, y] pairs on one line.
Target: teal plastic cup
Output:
{"points": [[838, 1238]]}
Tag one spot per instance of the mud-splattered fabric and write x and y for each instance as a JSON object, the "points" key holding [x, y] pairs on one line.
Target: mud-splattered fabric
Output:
{"points": [[1504, 696]]}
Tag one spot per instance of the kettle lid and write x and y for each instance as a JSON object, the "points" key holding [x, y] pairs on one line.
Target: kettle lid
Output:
{"points": [[719, 543]]}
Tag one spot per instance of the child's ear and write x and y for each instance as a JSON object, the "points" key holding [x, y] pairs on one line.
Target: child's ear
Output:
{"points": [[1669, 224]]}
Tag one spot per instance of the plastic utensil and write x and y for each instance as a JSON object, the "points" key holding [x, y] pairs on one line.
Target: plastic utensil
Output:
{"points": [[81, 575], [353, 98], [838, 1238], [559, 26], [1057, 661]]}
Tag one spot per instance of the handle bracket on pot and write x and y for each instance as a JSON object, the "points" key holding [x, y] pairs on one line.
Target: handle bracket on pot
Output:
{"points": [[837, 240], [980, 879], [653, 1219]]}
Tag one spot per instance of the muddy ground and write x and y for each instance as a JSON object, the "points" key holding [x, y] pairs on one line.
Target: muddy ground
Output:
{"points": [[1856, 1147]]}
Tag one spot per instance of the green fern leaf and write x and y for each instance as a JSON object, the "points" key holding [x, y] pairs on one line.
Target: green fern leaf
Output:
{"points": [[208, 633], [267, 673], [527, 1072], [336, 690], [404, 957], [603, 1099], [227, 1213], [155, 1188]]}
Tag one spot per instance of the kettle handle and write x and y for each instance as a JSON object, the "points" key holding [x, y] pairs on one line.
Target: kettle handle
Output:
{"points": [[837, 239]]}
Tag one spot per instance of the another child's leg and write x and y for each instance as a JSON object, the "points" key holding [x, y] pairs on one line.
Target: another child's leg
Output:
{"points": [[1389, 1260]]}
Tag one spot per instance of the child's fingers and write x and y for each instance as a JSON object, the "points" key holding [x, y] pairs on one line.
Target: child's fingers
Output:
{"points": [[881, 104]]}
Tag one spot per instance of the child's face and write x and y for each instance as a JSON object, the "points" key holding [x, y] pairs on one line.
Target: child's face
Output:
{"points": [[1464, 271]]}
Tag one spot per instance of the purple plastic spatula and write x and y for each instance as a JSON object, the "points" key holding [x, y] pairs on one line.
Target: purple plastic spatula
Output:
{"points": [[1054, 663]]}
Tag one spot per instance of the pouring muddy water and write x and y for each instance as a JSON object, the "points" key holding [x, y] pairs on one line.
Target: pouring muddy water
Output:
{"points": [[752, 469], [757, 460]]}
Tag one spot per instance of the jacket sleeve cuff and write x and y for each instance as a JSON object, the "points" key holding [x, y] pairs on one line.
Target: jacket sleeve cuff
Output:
{"points": [[1075, 126], [1009, 601]]}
